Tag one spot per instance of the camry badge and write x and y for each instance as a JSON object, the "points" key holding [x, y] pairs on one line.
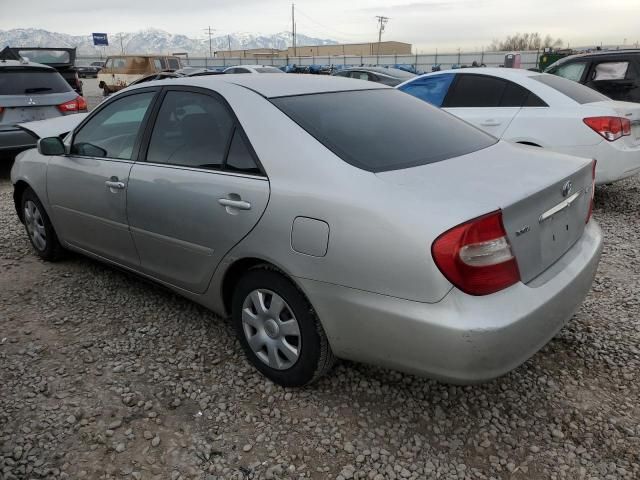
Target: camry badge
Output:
{"points": [[567, 188]]}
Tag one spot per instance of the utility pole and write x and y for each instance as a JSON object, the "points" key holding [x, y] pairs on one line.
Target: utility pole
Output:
{"points": [[382, 21], [121, 44], [293, 28], [209, 31], [229, 40]]}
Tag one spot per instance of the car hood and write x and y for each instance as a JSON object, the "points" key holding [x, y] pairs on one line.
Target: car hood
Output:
{"points": [[54, 127]]}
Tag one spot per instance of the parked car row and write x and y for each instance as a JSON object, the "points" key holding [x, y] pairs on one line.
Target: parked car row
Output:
{"points": [[330, 217]]}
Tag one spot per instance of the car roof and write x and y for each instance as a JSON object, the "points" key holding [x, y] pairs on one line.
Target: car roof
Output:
{"points": [[601, 53], [23, 64], [271, 86], [508, 73]]}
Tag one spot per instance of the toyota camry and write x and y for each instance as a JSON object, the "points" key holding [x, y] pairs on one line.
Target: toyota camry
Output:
{"points": [[328, 217]]}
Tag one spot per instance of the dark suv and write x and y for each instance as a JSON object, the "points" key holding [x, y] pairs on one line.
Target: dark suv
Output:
{"points": [[615, 73]]}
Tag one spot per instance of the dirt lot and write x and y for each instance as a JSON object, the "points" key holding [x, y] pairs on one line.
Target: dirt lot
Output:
{"points": [[105, 376]]}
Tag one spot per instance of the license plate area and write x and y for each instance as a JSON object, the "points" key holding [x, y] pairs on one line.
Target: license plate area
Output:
{"points": [[559, 232]]}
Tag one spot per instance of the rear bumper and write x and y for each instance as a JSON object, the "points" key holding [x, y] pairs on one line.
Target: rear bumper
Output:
{"points": [[461, 339], [14, 139], [616, 161]]}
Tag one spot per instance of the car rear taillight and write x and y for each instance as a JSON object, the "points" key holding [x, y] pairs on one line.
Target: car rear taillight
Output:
{"points": [[593, 189], [75, 105], [476, 256], [611, 128]]}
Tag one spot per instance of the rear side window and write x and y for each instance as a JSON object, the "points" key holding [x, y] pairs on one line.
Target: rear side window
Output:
{"points": [[475, 91], [31, 81], [382, 129], [517, 96], [174, 63], [192, 129], [430, 89], [575, 91], [240, 158], [610, 71]]}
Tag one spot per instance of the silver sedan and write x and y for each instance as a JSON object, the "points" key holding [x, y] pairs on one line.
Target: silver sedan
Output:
{"points": [[330, 218]]}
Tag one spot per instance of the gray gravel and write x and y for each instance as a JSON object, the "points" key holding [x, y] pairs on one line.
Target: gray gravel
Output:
{"points": [[105, 376]]}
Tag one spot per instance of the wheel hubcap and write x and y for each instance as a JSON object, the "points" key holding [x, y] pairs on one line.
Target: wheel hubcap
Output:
{"points": [[271, 329], [35, 225]]}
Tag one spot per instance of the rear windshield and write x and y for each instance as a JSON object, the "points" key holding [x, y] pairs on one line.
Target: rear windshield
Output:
{"points": [[574, 90], [46, 56], [385, 129], [29, 81], [268, 70]]}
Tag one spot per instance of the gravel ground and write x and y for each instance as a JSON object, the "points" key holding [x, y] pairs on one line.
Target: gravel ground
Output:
{"points": [[105, 376]]}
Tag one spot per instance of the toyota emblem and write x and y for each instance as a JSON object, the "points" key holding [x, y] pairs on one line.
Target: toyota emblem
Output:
{"points": [[567, 188]]}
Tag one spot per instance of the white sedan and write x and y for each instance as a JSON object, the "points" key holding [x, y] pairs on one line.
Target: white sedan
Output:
{"points": [[541, 110]]}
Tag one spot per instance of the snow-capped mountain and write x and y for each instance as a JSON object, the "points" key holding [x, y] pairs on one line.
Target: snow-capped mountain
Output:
{"points": [[153, 41]]}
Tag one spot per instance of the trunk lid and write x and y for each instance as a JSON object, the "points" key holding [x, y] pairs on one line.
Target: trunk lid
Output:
{"points": [[544, 197], [628, 110]]}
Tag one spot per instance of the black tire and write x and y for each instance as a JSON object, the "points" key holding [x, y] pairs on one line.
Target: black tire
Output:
{"points": [[315, 357], [50, 250]]}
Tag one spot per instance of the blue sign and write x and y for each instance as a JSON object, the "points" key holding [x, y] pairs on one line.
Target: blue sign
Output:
{"points": [[100, 39]]}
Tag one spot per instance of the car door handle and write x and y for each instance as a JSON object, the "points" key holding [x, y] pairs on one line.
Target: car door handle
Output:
{"points": [[490, 123], [239, 204], [115, 184]]}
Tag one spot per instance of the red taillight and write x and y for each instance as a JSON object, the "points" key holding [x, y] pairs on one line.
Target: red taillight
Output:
{"points": [[75, 105], [611, 128], [593, 189], [476, 256]]}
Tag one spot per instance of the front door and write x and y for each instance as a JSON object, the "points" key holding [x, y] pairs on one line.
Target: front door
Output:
{"points": [[87, 189], [199, 192]]}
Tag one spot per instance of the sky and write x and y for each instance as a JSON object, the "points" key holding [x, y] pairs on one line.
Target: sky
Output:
{"points": [[427, 24]]}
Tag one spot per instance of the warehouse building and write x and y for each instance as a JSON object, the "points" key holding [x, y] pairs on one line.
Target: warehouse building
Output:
{"points": [[353, 49]]}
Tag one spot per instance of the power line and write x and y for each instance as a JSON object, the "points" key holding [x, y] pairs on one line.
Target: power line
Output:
{"points": [[333, 31]]}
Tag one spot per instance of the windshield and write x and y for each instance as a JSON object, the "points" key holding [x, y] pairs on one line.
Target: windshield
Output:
{"points": [[46, 56], [30, 81], [574, 90], [383, 129]]}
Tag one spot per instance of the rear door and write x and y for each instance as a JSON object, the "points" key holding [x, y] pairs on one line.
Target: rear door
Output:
{"points": [[199, 192], [87, 189], [478, 100]]}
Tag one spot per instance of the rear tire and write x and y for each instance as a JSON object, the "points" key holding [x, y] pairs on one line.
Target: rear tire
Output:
{"points": [[278, 329], [39, 228]]}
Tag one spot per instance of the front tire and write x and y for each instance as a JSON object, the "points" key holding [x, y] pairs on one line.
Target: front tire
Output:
{"points": [[278, 329], [39, 228]]}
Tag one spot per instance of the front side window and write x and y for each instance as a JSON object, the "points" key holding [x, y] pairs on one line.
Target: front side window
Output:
{"points": [[430, 89], [570, 71], [382, 129], [192, 130], [113, 130], [157, 64], [475, 91]]}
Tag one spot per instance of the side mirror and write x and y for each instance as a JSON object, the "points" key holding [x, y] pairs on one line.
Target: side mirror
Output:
{"points": [[50, 146]]}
